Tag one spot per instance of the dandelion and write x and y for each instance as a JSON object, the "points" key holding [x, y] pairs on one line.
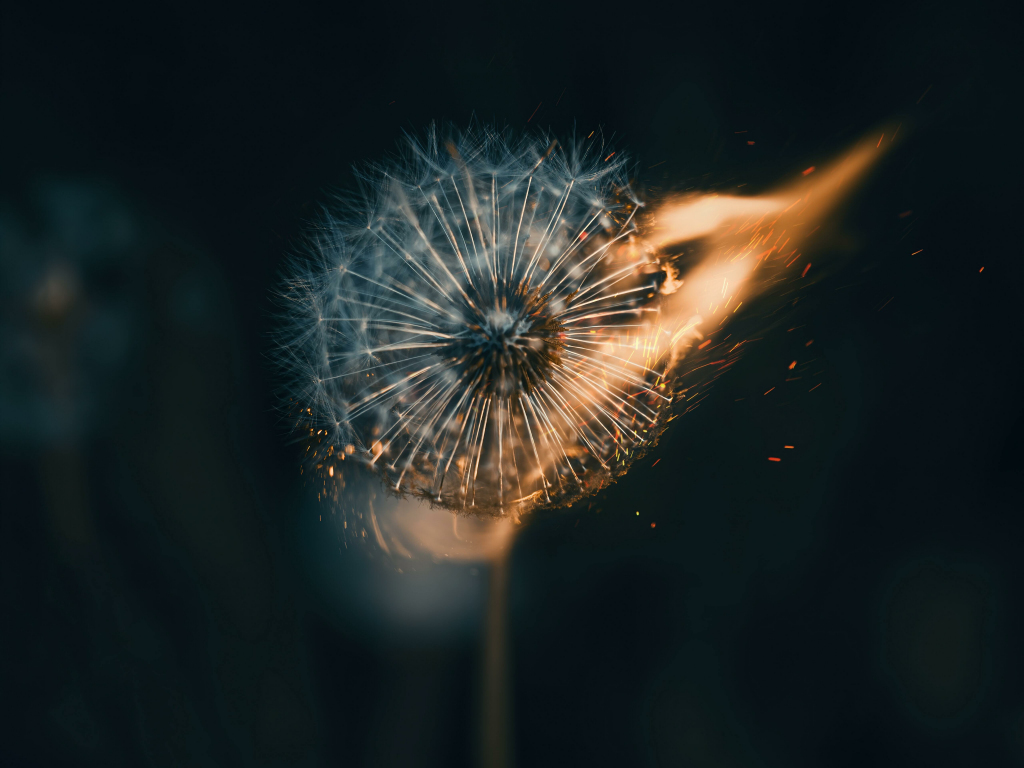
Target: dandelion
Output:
{"points": [[475, 328]]}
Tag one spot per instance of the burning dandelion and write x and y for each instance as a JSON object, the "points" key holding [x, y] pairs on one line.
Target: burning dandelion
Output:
{"points": [[496, 326]]}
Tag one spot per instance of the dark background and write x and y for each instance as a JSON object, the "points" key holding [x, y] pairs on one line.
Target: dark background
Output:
{"points": [[170, 596]]}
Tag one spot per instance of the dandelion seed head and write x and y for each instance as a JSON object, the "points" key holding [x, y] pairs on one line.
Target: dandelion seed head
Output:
{"points": [[475, 326]]}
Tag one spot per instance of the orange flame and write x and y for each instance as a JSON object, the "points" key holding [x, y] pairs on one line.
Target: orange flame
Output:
{"points": [[743, 234]]}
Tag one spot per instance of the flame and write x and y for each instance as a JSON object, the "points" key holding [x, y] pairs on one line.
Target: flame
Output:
{"points": [[742, 235]]}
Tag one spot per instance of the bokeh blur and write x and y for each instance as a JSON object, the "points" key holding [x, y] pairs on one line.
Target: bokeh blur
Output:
{"points": [[175, 591]]}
